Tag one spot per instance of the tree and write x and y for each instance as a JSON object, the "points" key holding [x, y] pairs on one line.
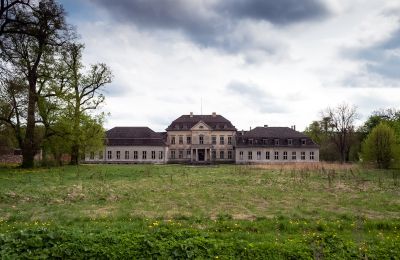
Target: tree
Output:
{"points": [[340, 127], [85, 95], [23, 54], [380, 146], [7, 14]]}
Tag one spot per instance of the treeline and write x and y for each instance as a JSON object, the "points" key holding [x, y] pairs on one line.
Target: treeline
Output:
{"points": [[48, 99], [375, 142]]}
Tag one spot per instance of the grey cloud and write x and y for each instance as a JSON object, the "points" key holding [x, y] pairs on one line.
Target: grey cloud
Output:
{"points": [[214, 24], [381, 62], [282, 12], [255, 97]]}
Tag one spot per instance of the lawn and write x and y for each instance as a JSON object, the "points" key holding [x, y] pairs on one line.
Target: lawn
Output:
{"points": [[312, 211]]}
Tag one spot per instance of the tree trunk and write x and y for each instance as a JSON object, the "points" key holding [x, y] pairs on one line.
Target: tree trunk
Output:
{"points": [[74, 154], [29, 147]]}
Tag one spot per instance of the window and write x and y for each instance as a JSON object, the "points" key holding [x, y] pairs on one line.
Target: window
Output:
{"points": [[265, 141], [126, 155], [144, 155], [172, 154], [276, 155], [135, 155], [241, 155], [276, 141], [201, 139], [214, 154], [221, 155], [250, 141], [180, 139], [303, 156], [294, 156], [91, 155], [109, 154], [311, 155], [284, 155], [250, 155], [229, 140], [188, 139], [290, 141], [101, 155], [230, 155], [172, 139], [201, 127], [221, 139], [303, 141], [153, 155], [188, 154], [118, 155], [180, 154], [258, 155], [213, 139], [267, 155], [160, 155]]}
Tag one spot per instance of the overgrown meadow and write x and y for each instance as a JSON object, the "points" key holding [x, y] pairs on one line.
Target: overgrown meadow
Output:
{"points": [[175, 211]]}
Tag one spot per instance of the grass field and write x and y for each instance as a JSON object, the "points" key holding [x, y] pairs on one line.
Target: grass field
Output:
{"points": [[310, 211]]}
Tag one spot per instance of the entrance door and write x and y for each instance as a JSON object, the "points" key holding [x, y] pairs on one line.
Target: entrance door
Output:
{"points": [[201, 153]]}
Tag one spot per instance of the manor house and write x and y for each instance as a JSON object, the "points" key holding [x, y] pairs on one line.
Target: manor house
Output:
{"points": [[205, 139]]}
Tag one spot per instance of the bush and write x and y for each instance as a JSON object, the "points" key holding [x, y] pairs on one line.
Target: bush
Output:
{"points": [[166, 242]]}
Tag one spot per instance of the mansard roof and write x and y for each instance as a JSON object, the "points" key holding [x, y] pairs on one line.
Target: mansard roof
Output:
{"points": [[133, 136], [266, 136], [186, 122]]}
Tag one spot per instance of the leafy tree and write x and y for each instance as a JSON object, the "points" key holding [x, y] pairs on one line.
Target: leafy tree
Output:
{"points": [[318, 131], [23, 55], [8, 18], [380, 146], [85, 95]]}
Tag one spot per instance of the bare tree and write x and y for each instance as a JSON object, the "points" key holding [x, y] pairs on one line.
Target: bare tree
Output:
{"points": [[339, 122]]}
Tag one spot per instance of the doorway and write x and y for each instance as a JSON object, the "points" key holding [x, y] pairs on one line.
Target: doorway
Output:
{"points": [[201, 153]]}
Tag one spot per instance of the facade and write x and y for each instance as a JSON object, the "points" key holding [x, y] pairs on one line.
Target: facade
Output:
{"points": [[205, 139], [201, 138], [131, 145], [275, 145]]}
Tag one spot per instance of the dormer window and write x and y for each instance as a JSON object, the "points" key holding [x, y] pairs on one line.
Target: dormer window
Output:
{"points": [[256, 141], [265, 141], [276, 141], [176, 126], [303, 141], [290, 141], [225, 126], [250, 141]]}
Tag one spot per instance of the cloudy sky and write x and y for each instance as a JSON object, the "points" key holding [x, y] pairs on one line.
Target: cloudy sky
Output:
{"points": [[256, 62]]}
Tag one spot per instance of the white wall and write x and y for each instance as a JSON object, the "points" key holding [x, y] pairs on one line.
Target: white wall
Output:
{"points": [[131, 150], [272, 151]]}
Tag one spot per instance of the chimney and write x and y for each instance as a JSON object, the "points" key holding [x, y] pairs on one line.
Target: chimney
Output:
{"points": [[191, 114], [265, 126], [294, 127], [250, 128], [214, 114]]}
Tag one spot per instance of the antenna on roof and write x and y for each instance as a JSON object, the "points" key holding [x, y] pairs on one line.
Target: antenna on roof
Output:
{"points": [[201, 106]]}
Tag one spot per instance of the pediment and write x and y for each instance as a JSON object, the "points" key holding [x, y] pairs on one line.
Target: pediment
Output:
{"points": [[201, 126]]}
